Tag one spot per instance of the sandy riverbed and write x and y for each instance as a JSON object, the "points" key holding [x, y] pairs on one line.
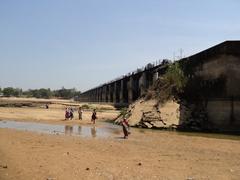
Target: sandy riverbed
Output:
{"points": [[145, 155], [56, 112]]}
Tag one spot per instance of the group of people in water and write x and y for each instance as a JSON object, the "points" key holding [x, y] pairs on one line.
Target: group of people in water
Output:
{"points": [[69, 115]]}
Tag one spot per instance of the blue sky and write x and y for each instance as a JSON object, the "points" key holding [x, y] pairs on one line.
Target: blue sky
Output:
{"points": [[84, 43]]}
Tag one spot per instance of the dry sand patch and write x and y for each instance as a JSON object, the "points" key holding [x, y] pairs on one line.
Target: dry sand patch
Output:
{"points": [[148, 155]]}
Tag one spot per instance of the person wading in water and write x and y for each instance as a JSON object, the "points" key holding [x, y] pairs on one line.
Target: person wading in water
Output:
{"points": [[126, 128], [80, 113], [94, 116]]}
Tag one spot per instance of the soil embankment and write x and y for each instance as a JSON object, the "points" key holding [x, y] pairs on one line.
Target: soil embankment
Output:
{"points": [[147, 114]]}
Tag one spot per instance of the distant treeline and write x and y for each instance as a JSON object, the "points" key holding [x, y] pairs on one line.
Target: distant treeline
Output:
{"points": [[40, 93]]}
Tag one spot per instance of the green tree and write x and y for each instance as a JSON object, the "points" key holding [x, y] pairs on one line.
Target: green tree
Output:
{"points": [[35, 93], [27, 93], [45, 93], [175, 77], [170, 86], [9, 91], [17, 92], [66, 93]]}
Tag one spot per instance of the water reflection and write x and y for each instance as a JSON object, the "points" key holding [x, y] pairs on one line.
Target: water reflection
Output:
{"points": [[106, 130], [79, 130], [68, 130], [93, 131]]}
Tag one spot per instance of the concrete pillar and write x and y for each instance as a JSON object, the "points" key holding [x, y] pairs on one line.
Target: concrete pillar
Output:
{"points": [[109, 93], [96, 95], [100, 94], [117, 89], [88, 96], [91, 95], [104, 93], [115, 92], [122, 91], [130, 89], [143, 83], [155, 77], [112, 92]]}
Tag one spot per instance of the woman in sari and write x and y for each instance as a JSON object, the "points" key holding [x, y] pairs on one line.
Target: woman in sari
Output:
{"points": [[126, 127]]}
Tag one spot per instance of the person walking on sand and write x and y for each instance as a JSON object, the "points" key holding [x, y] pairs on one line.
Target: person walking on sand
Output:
{"points": [[126, 127], [80, 113], [94, 116]]}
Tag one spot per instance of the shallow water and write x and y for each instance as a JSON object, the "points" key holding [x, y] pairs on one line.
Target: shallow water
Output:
{"points": [[106, 130]]}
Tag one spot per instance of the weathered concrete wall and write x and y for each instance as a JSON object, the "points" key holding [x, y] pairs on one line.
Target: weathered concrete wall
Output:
{"points": [[219, 106], [221, 112], [227, 66], [218, 114], [224, 112], [236, 112]]}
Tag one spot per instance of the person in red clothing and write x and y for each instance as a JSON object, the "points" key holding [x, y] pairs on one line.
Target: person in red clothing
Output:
{"points": [[126, 128], [67, 114]]}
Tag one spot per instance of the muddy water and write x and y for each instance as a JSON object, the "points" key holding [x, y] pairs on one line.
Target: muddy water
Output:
{"points": [[106, 130]]}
